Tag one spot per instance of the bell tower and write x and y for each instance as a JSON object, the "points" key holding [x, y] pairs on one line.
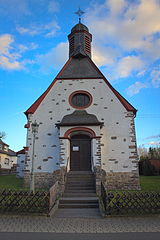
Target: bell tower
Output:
{"points": [[80, 39]]}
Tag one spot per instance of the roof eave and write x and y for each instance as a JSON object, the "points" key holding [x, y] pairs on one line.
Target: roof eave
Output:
{"points": [[58, 125]]}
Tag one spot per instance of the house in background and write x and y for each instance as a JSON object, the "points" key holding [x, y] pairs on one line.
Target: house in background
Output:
{"points": [[20, 163], [85, 125], [8, 159]]}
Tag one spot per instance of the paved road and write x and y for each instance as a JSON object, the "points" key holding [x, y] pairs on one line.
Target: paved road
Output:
{"points": [[79, 236], [79, 224]]}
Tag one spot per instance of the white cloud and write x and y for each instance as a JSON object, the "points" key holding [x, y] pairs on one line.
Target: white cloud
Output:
{"points": [[135, 88], [51, 28], [129, 28], [116, 7], [153, 136], [5, 43], [127, 65], [7, 63], [22, 48], [155, 76], [29, 47], [103, 55], [141, 73], [48, 30], [54, 58], [8, 58], [53, 6], [153, 143], [128, 25], [11, 56], [29, 31]]}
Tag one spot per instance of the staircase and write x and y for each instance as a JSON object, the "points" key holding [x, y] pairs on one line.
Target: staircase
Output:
{"points": [[80, 191]]}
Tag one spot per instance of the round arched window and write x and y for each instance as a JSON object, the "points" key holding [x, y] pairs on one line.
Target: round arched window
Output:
{"points": [[80, 99]]}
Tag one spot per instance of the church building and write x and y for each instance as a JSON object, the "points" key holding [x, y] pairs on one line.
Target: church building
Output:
{"points": [[85, 125]]}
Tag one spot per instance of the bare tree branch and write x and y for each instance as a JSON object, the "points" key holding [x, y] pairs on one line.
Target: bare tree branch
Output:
{"points": [[2, 135]]}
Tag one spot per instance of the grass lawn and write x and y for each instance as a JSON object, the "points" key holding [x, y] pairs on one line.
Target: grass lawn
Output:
{"points": [[11, 182], [150, 183]]}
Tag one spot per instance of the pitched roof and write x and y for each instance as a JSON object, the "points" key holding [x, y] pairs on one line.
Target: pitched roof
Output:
{"points": [[80, 68], [22, 151], [3, 143], [79, 26], [9, 152]]}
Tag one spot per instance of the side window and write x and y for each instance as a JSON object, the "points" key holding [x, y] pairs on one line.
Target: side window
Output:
{"points": [[6, 161]]}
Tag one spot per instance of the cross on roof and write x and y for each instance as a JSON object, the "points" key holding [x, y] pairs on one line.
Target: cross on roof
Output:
{"points": [[79, 13]]}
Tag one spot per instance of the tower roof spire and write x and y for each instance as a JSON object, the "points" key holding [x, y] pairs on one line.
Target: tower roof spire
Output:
{"points": [[79, 13]]}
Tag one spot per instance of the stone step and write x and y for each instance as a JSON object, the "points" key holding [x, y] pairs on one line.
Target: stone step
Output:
{"points": [[80, 179], [80, 191], [80, 205], [79, 188], [80, 173], [79, 200], [79, 194], [81, 184]]}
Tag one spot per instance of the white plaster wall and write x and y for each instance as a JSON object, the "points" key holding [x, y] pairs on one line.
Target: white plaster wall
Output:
{"points": [[20, 165], [115, 134], [12, 160]]}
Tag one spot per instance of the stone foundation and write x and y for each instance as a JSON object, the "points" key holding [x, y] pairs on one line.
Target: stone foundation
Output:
{"points": [[122, 181], [100, 176], [42, 180], [111, 180]]}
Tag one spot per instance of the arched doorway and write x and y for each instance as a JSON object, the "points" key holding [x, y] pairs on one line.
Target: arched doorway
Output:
{"points": [[80, 153]]}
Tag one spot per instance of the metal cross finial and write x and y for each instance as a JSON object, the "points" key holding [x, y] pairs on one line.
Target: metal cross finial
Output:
{"points": [[79, 13]]}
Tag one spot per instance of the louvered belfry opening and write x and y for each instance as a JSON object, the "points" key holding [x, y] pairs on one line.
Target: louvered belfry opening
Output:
{"points": [[71, 44], [87, 45]]}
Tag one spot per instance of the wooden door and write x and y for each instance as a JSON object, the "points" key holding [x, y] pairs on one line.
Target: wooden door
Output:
{"points": [[80, 153]]}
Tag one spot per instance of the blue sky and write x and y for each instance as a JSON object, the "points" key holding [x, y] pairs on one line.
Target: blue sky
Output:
{"points": [[34, 47]]}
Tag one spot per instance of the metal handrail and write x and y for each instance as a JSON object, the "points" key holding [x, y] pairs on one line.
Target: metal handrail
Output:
{"points": [[66, 170], [104, 196], [92, 163]]}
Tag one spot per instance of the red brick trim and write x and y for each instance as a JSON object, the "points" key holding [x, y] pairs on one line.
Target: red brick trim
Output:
{"points": [[64, 67], [80, 91], [36, 104], [27, 125], [77, 129]]}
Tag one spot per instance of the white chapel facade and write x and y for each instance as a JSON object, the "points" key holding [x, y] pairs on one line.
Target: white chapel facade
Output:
{"points": [[84, 124]]}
